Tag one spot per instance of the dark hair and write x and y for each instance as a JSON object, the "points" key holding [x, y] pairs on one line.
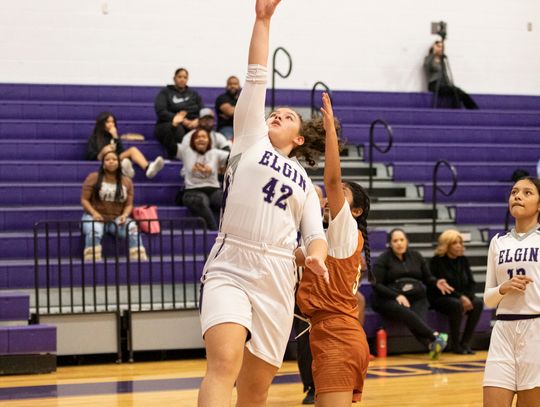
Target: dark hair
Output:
{"points": [[361, 201], [180, 70], [314, 140], [389, 237], [533, 180], [99, 129], [101, 173], [431, 48], [196, 133]]}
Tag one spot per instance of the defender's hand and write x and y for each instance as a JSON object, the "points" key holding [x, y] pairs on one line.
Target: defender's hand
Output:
{"points": [[327, 112], [265, 8]]}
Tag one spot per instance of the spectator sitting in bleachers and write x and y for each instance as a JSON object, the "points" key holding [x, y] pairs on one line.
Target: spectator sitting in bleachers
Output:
{"points": [[450, 263], [177, 108], [399, 292], [206, 122], [438, 79], [105, 139], [107, 199], [225, 104], [202, 191]]}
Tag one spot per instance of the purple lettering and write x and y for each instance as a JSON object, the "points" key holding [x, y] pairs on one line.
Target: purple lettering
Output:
{"points": [[265, 160], [275, 165]]}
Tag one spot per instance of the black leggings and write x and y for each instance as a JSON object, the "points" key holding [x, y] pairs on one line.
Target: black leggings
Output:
{"points": [[413, 317], [206, 203], [169, 137], [451, 306], [452, 97], [303, 352]]}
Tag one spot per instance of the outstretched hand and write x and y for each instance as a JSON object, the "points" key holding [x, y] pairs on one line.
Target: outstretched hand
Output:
{"points": [[265, 8], [316, 265], [327, 112]]}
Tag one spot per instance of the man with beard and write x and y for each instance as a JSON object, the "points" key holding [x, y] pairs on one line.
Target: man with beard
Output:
{"points": [[225, 104]]}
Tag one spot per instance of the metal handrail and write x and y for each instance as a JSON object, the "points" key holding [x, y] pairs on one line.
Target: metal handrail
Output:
{"points": [[436, 188], [372, 145], [61, 264], [65, 281], [274, 71], [314, 110]]}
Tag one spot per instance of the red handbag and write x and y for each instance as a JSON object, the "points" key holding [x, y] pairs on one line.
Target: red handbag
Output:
{"points": [[147, 218]]}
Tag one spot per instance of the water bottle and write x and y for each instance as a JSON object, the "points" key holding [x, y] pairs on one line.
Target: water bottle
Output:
{"points": [[381, 343], [538, 169]]}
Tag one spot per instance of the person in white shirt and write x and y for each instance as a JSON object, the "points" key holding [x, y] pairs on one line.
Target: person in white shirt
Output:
{"points": [[247, 296], [202, 192], [513, 286]]}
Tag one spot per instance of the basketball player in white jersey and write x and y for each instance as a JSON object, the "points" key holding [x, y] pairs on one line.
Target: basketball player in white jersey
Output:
{"points": [[513, 286], [247, 295]]}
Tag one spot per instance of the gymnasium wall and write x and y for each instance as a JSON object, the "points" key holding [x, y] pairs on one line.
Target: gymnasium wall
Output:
{"points": [[349, 44]]}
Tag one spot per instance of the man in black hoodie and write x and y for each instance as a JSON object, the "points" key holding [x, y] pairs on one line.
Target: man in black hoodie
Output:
{"points": [[177, 109]]}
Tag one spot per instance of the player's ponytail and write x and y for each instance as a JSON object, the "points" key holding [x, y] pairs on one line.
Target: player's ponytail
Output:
{"points": [[314, 140], [361, 200]]}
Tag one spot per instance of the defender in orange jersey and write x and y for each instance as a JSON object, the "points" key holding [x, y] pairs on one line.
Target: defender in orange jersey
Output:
{"points": [[338, 342]]}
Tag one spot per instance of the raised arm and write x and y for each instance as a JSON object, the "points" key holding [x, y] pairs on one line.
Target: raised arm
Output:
{"points": [[258, 48], [332, 164], [249, 116]]}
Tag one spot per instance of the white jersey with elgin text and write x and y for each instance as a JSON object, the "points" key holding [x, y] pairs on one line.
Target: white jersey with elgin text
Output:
{"points": [[510, 255], [268, 196], [513, 360], [249, 278]]}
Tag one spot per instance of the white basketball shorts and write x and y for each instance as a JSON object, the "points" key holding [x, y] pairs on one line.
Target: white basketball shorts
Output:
{"points": [[513, 360], [251, 284]]}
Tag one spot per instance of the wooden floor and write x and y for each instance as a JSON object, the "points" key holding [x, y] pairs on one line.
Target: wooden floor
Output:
{"points": [[406, 380]]}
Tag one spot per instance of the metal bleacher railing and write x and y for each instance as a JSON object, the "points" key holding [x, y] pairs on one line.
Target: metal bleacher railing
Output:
{"points": [[68, 285], [372, 145], [275, 71], [436, 188], [314, 110]]}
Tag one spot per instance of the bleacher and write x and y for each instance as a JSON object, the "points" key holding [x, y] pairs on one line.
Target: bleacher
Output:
{"points": [[44, 129]]}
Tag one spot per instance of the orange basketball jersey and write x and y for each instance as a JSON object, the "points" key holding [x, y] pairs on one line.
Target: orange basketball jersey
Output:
{"points": [[317, 299]]}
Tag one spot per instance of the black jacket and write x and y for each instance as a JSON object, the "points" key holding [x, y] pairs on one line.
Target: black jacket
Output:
{"points": [[170, 101], [389, 268], [457, 273]]}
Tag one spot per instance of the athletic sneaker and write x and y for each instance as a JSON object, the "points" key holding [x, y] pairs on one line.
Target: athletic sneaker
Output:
{"points": [[154, 167], [437, 346], [127, 168], [310, 397]]}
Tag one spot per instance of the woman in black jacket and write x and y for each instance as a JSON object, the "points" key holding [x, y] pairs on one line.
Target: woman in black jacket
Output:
{"points": [[399, 291], [105, 139], [177, 109], [450, 263]]}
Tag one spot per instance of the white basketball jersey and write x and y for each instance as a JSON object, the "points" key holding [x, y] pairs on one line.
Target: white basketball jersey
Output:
{"points": [[267, 196], [511, 255]]}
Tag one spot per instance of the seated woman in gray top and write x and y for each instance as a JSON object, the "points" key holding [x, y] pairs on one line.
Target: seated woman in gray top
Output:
{"points": [[203, 194], [439, 80]]}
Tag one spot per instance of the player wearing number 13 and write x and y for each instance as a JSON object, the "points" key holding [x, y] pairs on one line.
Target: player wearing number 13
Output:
{"points": [[247, 298], [513, 286]]}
